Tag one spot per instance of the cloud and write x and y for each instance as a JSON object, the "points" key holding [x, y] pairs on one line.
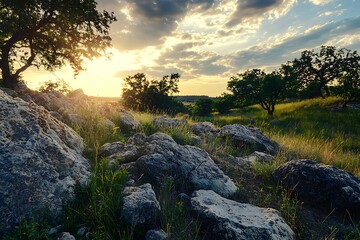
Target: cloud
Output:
{"points": [[274, 55], [143, 23], [320, 2], [255, 10]]}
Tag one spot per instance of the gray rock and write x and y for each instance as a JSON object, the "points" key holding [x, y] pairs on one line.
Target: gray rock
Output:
{"points": [[55, 230], [156, 235], [230, 220], [74, 119], [248, 137], [164, 122], [321, 184], [127, 121], [109, 149], [140, 206], [189, 166], [82, 231], [66, 236], [57, 115], [259, 157], [109, 124], [41, 162], [204, 129]]}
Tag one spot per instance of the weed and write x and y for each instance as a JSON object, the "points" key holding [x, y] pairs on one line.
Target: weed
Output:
{"points": [[174, 217], [98, 206]]}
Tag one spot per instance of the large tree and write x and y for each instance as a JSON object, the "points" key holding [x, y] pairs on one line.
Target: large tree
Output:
{"points": [[320, 68], [255, 86], [156, 96], [50, 33]]}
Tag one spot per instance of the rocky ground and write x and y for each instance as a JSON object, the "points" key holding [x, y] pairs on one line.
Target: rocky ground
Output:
{"points": [[41, 164]]}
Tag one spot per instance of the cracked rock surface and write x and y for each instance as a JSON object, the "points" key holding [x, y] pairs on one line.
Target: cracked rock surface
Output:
{"points": [[190, 167], [230, 220], [41, 161]]}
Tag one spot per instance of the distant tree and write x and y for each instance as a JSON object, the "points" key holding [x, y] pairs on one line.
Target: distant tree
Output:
{"points": [[142, 95], [323, 67], [224, 103], [255, 86], [202, 107], [60, 86], [50, 33]]}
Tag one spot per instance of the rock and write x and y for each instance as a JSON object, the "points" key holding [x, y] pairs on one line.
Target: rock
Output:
{"points": [[66, 236], [127, 121], [57, 115], [156, 235], [109, 124], [41, 162], [248, 137], [320, 183], [55, 230], [78, 93], [259, 157], [74, 119], [111, 148], [189, 166], [82, 231], [164, 122], [204, 129], [140, 206], [238, 221]]}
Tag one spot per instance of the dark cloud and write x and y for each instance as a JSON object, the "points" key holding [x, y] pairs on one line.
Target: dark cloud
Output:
{"points": [[252, 9], [143, 23], [288, 50]]}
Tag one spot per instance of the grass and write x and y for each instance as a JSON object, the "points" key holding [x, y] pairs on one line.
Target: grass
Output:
{"points": [[98, 206], [316, 128]]}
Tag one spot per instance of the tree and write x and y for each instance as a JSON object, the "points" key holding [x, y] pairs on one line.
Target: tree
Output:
{"points": [[348, 85], [224, 103], [50, 33], [60, 86], [255, 86], [156, 96], [203, 107], [322, 68]]}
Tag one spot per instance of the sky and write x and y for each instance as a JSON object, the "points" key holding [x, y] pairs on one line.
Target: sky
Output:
{"points": [[208, 41]]}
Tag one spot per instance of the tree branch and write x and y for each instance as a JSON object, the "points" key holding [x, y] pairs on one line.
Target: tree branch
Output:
{"points": [[28, 61]]}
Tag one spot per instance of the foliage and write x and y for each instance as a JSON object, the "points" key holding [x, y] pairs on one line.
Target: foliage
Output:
{"points": [[324, 67], [202, 107], [175, 219], [98, 206], [255, 86], [156, 96], [224, 103], [29, 229], [60, 86], [50, 34]]}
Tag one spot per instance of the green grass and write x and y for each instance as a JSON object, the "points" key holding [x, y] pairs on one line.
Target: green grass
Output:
{"points": [[316, 128], [98, 206]]}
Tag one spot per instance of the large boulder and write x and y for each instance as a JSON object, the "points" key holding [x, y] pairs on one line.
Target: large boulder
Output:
{"points": [[41, 162], [230, 220], [204, 129], [164, 122], [321, 184], [248, 137], [158, 157], [140, 207], [127, 121], [189, 166]]}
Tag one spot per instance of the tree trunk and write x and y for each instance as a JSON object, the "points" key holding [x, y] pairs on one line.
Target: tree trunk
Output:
{"points": [[9, 80]]}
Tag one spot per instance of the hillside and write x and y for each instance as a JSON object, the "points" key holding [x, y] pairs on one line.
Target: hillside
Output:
{"points": [[181, 178]]}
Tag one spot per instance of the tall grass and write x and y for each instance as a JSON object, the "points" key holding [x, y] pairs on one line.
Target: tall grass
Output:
{"points": [[316, 128]]}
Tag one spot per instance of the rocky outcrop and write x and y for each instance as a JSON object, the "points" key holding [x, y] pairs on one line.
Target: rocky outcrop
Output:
{"points": [[109, 149], [204, 129], [164, 122], [159, 156], [230, 220], [320, 183], [248, 137], [140, 206], [40, 161], [127, 121]]}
